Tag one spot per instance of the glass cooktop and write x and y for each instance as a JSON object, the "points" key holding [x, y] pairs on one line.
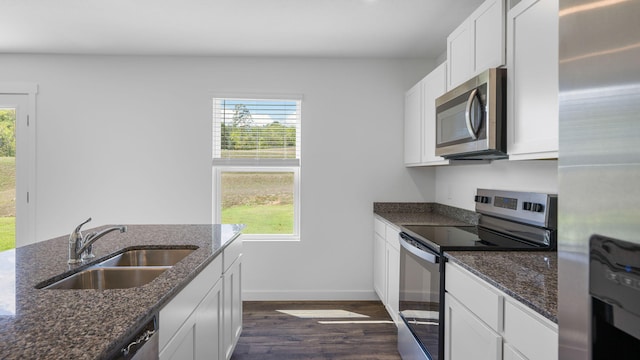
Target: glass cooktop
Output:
{"points": [[443, 238]]}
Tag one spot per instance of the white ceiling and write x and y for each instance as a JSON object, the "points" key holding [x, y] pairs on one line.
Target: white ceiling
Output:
{"points": [[300, 28]]}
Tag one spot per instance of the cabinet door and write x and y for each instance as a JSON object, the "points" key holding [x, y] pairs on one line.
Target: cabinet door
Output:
{"points": [[488, 35], [434, 86], [467, 337], [460, 55], [182, 344], [511, 354], [532, 335], [412, 125], [532, 90], [379, 267], [208, 338], [393, 282], [232, 306]]}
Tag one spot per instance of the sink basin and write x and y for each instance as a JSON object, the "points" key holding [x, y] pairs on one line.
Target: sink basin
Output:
{"points": [[109, 278], [131, 268], [148, 257]]}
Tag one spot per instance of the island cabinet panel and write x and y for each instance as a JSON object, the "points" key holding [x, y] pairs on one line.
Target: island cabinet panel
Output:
{"points": [[232, 283], [510, 353], [199, 336], [179, 309], [204, 320], [208, 340]]}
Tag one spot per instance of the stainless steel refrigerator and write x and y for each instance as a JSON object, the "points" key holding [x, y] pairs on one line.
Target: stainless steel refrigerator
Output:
{"points": [[599, 162]]}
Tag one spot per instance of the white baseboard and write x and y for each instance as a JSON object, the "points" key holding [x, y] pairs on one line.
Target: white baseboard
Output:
{"points": [[298, 295]]}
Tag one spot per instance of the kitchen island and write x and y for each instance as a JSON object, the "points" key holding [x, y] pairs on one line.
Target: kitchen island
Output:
{"points": [[92, 324]]}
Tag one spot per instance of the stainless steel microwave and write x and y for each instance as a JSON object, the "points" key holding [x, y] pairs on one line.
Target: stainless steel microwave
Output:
{"points": [[471, 119]]}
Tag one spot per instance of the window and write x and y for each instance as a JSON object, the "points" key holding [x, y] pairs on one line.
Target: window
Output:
{"points": [[256, 165]]}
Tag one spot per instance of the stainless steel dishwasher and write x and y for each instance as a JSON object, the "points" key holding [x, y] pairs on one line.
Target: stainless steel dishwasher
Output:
{"points": [[143, 344]]}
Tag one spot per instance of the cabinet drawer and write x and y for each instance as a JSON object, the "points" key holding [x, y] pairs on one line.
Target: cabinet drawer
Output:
{"points": [[379, 227], [475, 294], [231, 253], [177, 311], [534, 336]]}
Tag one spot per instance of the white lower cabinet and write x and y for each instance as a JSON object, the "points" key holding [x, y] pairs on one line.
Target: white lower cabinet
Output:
{"points": [[511, 354], [209, 324], [467, 337], [533, 336], [481, 322], [204, 320], [386, 265], [232, 306], [379, 267], [393, 282]]}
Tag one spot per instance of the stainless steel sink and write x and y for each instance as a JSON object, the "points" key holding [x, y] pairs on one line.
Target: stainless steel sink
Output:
{"points": [[109, 278], [147, 257], [130, 268]]}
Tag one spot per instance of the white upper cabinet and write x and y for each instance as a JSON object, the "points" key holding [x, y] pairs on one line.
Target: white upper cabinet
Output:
{"points": [[460, 55], [532, 80], [434, 86], [420, 119], [412, 124], [477, 44]]}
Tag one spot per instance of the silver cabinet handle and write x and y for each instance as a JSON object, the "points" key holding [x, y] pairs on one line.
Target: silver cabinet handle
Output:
{"points": [[467, 114]]}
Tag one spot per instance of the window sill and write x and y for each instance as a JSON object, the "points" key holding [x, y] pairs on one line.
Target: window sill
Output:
{"points": [[271, 238]]}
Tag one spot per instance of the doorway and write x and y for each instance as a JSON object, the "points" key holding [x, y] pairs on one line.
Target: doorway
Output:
{"points": [[17, 164]]}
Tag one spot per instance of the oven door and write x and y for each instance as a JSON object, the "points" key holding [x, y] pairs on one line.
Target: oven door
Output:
{"points": [[420, 300]]}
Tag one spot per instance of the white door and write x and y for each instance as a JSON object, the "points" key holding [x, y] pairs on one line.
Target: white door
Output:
{"points": [[17, 164]]}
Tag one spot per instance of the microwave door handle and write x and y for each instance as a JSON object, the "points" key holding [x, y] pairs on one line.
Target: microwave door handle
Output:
{"points": [[467, 114]]}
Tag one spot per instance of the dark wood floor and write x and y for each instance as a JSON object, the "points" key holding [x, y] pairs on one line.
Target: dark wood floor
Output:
{"points": [[270, 334]]}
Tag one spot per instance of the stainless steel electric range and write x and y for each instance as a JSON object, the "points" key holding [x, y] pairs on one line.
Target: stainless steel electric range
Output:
{"points": [[509, 221]]}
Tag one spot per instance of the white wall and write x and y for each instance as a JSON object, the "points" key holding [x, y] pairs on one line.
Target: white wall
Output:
{"points": [[128, 140], [456, 185]]}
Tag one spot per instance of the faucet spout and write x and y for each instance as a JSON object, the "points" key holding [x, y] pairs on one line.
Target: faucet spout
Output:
{"points": [[80, 247], [93, 237]]}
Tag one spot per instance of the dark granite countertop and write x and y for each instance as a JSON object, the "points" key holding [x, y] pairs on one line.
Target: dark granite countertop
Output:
{"points": [[424, 214], [89, 324], [529, 277]]}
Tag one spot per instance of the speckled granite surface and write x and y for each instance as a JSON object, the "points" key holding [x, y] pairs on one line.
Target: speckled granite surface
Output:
{"points": [[529, 277], [424, 214], [89, 324]]}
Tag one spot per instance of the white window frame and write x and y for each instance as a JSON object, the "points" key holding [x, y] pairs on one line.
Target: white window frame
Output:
{"points": [[26, 168], [261, 165]]}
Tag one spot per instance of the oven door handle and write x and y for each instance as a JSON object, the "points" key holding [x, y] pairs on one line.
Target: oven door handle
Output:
{"points": [[422, 254]]}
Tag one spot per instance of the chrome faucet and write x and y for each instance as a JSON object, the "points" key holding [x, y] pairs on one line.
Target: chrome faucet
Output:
{"points": [[81, 247]]}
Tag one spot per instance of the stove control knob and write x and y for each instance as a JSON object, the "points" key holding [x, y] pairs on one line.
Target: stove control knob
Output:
{"points": [[537, 207], [482, 199], [534, 207]]}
